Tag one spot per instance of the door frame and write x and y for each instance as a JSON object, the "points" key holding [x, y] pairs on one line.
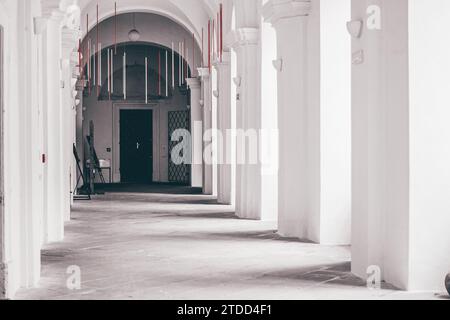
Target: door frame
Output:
{"points": [[117, 107]]}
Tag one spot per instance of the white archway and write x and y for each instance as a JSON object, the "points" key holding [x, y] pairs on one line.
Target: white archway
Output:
{"points": [[191, 14]]}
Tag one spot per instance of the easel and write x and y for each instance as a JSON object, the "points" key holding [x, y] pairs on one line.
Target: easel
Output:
{"points": [[78, 196], [94, 163]]}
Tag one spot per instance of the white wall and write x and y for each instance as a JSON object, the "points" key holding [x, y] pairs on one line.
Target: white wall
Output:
{"points": [[107, 124], [429, 64], [154, 29]]}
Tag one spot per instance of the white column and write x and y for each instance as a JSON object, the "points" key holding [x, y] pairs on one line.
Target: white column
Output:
{"points": [[29, 167], [53, 171], [224, 121], [400, 131], [20, 214], [65, 123], [196, 133], [207, 130], [293, 146], [245, 41], [70, 73], [314, 118], [373, 159]]}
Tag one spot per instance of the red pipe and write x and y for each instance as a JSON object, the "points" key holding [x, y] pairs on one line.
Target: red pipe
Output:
{"points": [[98, 58], [88, 56], [217, 34], [209, 45], [221, 32], [79, 58], [203, 50], [115, 27], [185, 60], [193, 50]]}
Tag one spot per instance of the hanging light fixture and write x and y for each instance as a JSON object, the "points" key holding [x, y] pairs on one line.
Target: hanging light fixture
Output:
{"points": [[134, 34]]}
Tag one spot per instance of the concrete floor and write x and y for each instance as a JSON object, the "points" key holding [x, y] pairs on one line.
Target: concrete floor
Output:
{"points": [[178, 246]]}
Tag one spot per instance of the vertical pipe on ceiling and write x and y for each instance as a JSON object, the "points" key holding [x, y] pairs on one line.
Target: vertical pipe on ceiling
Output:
{"points": [[146, 80], [221, 32], [115, 27], [209, 45], [193, 54], [159, 72], [203, 50], [112, 71], [167, 74], [108, 74], [173, 67], [179, 64], [125, 76], [98, 58]]}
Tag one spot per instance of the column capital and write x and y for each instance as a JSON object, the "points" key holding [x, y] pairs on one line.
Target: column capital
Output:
{"points": [[225, 62], [49, 7], [242, 37], [203, 73], [67, 11], [193, 83], [275, 10]]}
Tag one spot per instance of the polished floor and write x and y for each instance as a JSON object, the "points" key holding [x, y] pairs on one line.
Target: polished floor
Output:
{"points": [[172, 245]]}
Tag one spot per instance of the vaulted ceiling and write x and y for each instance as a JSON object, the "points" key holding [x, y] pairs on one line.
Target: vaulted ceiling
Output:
{"points": [[192, 14]]}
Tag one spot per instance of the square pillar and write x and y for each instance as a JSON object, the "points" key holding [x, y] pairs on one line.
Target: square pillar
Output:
{"points": [[314, 118], [245, 42], [53, 171], [205, 77], [224, 120], [401, 176], [196, 133]]}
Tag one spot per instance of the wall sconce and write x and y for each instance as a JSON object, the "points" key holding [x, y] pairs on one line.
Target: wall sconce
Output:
{"points": [[189, 107], [202, 103], [216, 93], [237, 81], [77, 102], [278, 64], [354, 28]]}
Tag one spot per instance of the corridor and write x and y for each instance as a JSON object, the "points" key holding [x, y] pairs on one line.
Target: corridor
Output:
{"points": [[173, 245]]}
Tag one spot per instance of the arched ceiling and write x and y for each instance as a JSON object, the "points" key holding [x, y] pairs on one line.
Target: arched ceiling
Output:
{"points": [[192, 14]]}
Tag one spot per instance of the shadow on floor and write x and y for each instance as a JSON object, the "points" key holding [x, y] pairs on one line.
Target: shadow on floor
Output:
{"points": [[332, 274], [261, 235], [163, 188]]}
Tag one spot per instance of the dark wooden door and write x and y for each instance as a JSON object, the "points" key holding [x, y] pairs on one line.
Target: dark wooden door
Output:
{"points": [[136, 146]]}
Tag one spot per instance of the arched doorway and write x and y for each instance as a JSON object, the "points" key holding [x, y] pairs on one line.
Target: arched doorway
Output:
{"points": [[135, 94]]}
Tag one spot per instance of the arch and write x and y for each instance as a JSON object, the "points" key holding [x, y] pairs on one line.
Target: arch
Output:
{"points": [[170, 33], [171, 11]]}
